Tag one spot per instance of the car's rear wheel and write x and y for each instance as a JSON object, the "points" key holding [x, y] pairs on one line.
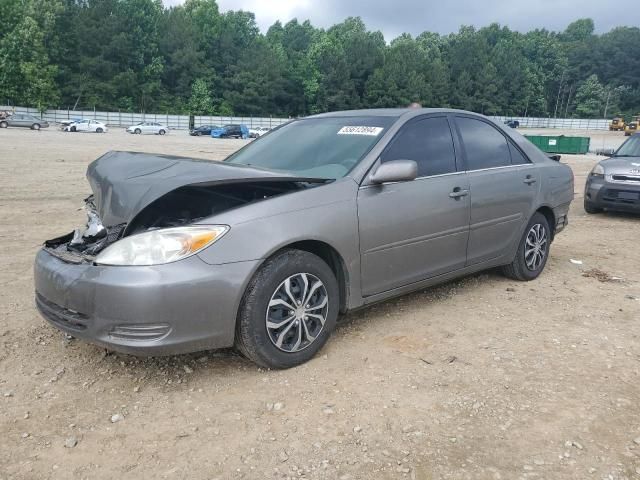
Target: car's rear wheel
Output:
{"points": [[4, 124], [35, 126], [99, 130], [162, 132], [533, 251], [288, 311], [590, 208]]}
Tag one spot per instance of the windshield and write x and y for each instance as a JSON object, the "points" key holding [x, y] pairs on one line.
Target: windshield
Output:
{"points": [[315, 147], [630, 148]]}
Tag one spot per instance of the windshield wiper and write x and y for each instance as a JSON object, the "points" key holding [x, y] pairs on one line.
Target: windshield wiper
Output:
{"points": [[625, 156]]}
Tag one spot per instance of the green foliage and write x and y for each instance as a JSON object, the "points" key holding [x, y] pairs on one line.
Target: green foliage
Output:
{"points": [[200, 102], [137, 55], [26, 74], [590, 98]]}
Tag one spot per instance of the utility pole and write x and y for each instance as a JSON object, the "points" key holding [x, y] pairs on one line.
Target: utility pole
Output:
{"points": [[606, 106], [555, 113], [566, 109]]}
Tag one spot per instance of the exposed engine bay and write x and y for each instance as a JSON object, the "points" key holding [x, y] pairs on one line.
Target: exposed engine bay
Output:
{"points": [[137, 192], [182, 206]]}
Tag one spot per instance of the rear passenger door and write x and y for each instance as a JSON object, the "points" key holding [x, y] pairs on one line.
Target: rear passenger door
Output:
{"points": [[410, 231], [16, 120], [503, 187]]}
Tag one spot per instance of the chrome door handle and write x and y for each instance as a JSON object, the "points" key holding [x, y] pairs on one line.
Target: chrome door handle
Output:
{"points": [[458, 192], [529, 180]]}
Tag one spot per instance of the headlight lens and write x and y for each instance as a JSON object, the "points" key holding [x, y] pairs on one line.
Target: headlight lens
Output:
{"points": [[161, 246], [598, 171]]}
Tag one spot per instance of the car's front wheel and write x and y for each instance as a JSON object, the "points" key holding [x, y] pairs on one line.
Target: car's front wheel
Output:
{"points": [[4, 124], [162, 132], [533, 251], [288, 311], [99, 130], [35, 126], [137, 131]]}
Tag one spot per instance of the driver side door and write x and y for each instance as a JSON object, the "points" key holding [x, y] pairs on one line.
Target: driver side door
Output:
{"points": [[414, 230]]}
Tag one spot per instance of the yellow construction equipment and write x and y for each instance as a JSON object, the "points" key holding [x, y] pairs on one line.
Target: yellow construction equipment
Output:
{"points": [[617, 124], [633, 126]]}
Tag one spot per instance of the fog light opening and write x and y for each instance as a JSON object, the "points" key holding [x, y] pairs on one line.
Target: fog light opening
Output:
{"points": [[143, 332]]}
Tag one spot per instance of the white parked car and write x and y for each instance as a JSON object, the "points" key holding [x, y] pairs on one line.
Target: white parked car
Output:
{"points": [[86, 126], [256, 132], [148, 127]]}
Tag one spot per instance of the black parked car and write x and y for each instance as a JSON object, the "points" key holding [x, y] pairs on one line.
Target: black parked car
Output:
{"points": [[512, 123], [202, 130]]}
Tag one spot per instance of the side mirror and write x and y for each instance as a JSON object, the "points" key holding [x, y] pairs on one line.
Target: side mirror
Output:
{"points": [[395, 171]]}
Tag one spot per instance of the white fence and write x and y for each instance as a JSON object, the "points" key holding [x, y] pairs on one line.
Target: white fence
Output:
{"points": [[181, 122], [122, 119]]}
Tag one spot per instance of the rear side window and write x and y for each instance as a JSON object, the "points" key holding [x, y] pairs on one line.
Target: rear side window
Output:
{"points": [[485, 146], [517, 158], [429, 143]]}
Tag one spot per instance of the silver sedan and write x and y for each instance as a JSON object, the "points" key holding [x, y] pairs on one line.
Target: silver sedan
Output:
{"points": [[324, 215], [154, 128]]}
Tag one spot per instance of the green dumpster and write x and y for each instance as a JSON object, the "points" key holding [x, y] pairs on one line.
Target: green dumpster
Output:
{"points": [[561, 144]]}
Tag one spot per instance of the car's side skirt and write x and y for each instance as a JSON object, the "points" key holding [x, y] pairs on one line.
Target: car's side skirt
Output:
{"points": [[429, 282]]}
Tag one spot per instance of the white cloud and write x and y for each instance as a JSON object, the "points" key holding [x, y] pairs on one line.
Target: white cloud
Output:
{"points": [[268, 12]]}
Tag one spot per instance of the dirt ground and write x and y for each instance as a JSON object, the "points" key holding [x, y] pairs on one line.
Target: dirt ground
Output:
{"points": [[480, 378]]}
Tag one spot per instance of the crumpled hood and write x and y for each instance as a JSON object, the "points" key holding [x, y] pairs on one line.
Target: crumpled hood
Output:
{"points": [[124, 183]]}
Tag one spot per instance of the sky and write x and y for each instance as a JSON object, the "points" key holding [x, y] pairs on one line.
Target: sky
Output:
{"points": [[441, 16]]}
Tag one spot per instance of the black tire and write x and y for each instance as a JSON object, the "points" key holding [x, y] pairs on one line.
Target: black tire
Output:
{"points": [[519, 269], [161, 132], [99, 130], [4, 124], [253, 339], [590, 208], [137, 131], [35, 126], [199, 134], [73, 129]]}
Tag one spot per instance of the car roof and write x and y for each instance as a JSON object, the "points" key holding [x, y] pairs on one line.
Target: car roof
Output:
{"points": [[390, 112]]}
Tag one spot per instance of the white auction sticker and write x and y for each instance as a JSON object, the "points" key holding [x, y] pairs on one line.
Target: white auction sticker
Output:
{"points": [[354, 130]]}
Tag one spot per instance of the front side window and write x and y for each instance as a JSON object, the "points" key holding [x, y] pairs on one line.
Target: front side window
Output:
{"points": [[315, 147], [426, 141], [484, 145]]}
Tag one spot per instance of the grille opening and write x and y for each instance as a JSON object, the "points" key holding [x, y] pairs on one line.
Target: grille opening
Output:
{"points": [[64, 317], [626, 178]]}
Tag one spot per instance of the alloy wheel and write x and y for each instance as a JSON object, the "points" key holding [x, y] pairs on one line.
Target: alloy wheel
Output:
{"points": [[535, 249], [297, 312]]}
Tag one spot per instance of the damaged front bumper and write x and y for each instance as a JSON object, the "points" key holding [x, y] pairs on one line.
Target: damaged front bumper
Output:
{"points": [[180, 307]]}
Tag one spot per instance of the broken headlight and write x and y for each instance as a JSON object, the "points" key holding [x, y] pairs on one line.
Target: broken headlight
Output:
{"points": [[160, 246]]}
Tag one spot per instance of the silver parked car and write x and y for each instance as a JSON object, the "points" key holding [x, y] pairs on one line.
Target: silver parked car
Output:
{"points": [[614, 183], [24, 120], [154, 128], [324, 215]]}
